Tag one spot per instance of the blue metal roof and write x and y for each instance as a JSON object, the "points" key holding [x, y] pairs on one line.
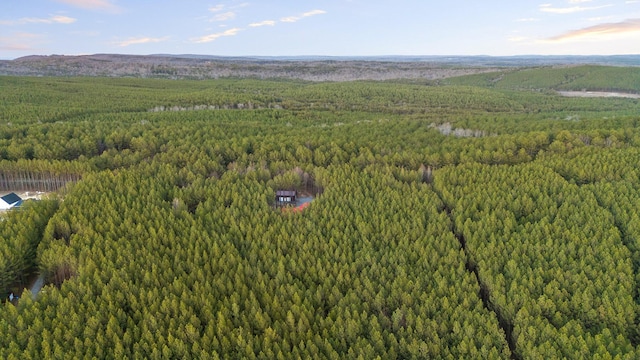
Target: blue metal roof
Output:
{"points": [[11, 198]]}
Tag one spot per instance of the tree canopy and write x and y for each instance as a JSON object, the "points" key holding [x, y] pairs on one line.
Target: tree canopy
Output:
{"points": [[450, 220]]}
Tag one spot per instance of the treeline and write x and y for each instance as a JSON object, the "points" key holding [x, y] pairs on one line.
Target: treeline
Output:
{"points": [[39, 175]]}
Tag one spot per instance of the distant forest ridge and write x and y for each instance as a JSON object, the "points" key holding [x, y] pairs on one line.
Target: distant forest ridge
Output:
{"points": [[471, 60], [467, 60], [308, 68]]}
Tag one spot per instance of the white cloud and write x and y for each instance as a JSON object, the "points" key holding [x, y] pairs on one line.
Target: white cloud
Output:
{"points": [[212, 37], [20, 41], [570, 10], [11, 46], [313, 12], [528, 20], [263, 23], [578, 1], [517, 38], [224, 16], [53, 19], [239, 6], [140, 40], [102, 5], [600, 18], [292, 19], [60, 19], [632, 1], [599, 32], [230, 15], [220, 7]]}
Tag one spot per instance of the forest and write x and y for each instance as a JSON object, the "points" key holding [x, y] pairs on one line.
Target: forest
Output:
{"points": [[482, 216]]}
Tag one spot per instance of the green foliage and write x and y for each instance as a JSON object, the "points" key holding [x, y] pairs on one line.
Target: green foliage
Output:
{"points": [[20, 233], [457, 221], [552, 259], [576, 78]]}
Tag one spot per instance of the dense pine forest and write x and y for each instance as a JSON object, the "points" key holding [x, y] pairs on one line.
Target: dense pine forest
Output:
{"points": [[484, 216]]}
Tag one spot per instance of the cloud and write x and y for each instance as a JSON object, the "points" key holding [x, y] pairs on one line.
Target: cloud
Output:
{"points": [[20, 41], [60, 19], [314, 12], [632, 1], [220, 7], [216, 8], [241, 5], [292, 19], [235, 31], [101, 5], [263, 23], [227, 15], [518, 38], [601, 31], [141, 40], [578, 1], [570, 10], [600, 18], [54, 19], [212, 37], [528, 20], [13, 47], [224, 16]]}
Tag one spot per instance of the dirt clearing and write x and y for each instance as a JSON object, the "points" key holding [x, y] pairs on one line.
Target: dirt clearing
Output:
{"points": [[598, 94]]}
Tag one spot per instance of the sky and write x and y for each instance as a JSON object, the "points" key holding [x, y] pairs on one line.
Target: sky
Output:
{"points": [[319, 27]]}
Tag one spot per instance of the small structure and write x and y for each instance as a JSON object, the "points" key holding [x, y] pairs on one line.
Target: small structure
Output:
{"points": [[285, 197], [9, 201]]}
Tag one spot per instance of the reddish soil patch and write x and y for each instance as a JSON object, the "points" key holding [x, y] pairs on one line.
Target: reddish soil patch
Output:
{"points": [[296, 209]]}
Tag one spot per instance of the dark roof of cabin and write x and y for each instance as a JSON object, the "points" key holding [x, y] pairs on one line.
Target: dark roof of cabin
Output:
{"points": [[11, 198], [286, 193]]}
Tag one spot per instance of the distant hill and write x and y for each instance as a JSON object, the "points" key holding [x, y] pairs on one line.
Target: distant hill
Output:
{"points": [[310, 68], [467, 61], [210, 67]]}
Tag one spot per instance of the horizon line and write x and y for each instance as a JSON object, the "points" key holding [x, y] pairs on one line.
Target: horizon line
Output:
{"points": [[324, 56]]}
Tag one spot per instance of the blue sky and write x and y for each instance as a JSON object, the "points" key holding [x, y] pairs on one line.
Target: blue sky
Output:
{"points": [[314, 27]]}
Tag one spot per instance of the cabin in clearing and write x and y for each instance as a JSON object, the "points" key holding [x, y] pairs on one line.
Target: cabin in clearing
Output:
{"points": [[285, 197]]}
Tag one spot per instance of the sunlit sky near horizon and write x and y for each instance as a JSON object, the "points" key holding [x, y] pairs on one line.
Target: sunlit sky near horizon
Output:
{"points": [[314, 27]]}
